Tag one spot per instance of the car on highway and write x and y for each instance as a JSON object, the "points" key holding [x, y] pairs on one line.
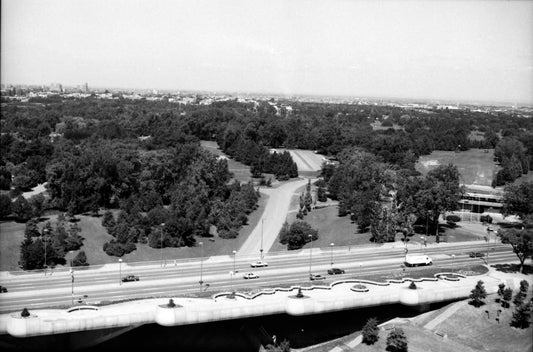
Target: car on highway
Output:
{"points": [[3, 289], [258, 264], [129, 278], [251, 276], [335, 271], [476, 254], [316, 277]]}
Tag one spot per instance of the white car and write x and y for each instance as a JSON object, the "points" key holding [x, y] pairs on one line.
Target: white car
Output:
{"points": [[251, 276], [258, 264]]}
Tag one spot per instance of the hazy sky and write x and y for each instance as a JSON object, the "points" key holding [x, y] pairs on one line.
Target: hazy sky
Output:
{"points": [[468, 50]]}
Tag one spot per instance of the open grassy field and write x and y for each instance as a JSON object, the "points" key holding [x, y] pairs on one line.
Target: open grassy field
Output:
{"points": [[475, 165]]}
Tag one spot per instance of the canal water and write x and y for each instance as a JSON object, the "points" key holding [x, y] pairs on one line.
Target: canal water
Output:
{"points": [[241, 335]]}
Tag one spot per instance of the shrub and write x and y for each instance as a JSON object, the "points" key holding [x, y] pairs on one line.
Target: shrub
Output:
{"points": [[80, 259], [412, 286], [25, 313], [486, 218], [453, 218], [397, 341], [371, 331]]}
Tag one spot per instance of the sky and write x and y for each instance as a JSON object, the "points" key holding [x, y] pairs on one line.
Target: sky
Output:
{"points": [[436, 49]]}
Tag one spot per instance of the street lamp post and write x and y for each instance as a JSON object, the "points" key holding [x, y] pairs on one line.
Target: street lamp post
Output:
{"points": [[119, 271], [331, 259], [310, 253], [233, 272], [488, 244], [261, 250], [161, 242], [45, 241], [453, 263], [72, 286], [201, 264]]}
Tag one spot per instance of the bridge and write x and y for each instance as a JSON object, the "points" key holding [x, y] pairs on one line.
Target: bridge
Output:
{"points": [[282, 288]]}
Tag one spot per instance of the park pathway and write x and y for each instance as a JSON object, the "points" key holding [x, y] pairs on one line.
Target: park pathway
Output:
{"points": [[274, 215]]}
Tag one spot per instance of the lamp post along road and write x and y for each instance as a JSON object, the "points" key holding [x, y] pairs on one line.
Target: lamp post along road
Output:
{"points": [[161, 242], [233, 272], [119, 271], [201, 263], [72, 286], [331, 259], [453, 263], [261, 250], [45, 241], [310, 253]]}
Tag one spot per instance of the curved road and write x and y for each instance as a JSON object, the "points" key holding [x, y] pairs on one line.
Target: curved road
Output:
{"points": [[266, 231]]}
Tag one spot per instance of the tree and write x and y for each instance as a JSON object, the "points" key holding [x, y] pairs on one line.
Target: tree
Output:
{"points": [[501, 288], [520, 240], [22, 209], [371, 331], [80, 259], [522, 315], [283, 346], [397, 341], [507, 295], [524, 286], [298, 235], [478, 294], [440, 192], [31, 253], [518, 199], [5, 206], [37, 205], [308, 198], [518, 299], [108, 221]]}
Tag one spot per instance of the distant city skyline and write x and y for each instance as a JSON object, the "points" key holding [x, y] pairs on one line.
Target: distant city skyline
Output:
{"points": [[465, 51]]}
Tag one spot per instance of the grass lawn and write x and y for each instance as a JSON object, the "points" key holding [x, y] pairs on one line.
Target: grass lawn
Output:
{"points": [[95, 235], [475, 166]]}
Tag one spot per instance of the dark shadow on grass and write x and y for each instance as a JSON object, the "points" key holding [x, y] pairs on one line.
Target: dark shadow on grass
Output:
{"points": [[513, 268]]}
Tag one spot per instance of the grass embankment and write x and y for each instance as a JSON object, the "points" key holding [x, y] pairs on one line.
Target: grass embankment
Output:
{"points": [[468, 329]]}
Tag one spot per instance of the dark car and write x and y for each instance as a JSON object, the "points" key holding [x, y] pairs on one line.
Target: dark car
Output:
{"points": [[129, 278], [316, 277], [335, 271], [476, 254], [3, 289]]}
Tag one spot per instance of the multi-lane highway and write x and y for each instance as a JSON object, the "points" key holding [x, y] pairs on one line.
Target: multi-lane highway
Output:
{"points": [[94, 286]]}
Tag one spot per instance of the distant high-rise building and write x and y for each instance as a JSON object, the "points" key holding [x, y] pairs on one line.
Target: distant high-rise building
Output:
{"points": [[86, 87], [56, 87]]}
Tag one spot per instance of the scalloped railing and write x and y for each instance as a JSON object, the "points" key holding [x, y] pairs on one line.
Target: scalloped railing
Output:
{"points": [[438, 276]]}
